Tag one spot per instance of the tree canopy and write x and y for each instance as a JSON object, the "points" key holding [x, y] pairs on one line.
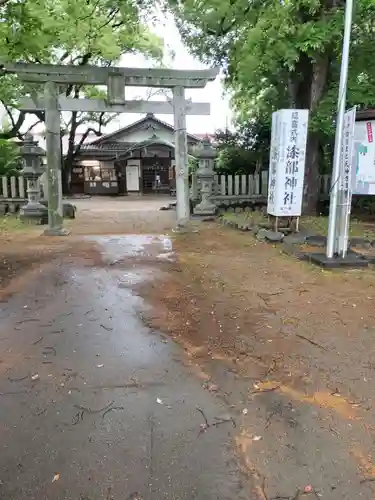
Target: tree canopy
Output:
{"points": [[245, 150], [284, 53], [10, 161], [74, 32]]}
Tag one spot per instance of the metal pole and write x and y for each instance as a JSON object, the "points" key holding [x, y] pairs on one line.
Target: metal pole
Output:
{"points": [[334, 198]]}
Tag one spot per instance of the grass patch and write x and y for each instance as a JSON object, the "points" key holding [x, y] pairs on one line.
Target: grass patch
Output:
{"points": [[11, 223], [255, 217], [317, 225], [357, 228]]}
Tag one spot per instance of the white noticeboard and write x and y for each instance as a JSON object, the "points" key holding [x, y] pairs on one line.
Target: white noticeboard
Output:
{"points": [[287, 162], [345, 181], [364, 158], [346, 153]]}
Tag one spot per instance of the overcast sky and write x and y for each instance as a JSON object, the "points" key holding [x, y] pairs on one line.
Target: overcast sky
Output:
{"points": [[213, 93]]}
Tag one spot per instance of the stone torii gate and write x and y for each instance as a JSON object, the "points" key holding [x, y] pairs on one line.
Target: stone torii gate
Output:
{"points": [[115, 79]]}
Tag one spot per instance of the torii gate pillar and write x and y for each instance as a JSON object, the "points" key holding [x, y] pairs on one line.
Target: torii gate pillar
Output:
{"points": [[181, 157], [54, 155]]}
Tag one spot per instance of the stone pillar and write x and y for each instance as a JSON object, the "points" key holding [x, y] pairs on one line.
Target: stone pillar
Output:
{"points": [[55, 207], [33, 168], [181, 155], [206, 155]]}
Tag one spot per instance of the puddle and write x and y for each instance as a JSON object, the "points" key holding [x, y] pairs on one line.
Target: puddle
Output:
{"points": [[97, 308], [169, 257], [132, 278], [114, 290], [116, 248]]}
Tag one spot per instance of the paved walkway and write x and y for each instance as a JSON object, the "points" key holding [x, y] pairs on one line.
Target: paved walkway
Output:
{"points": [[93, 404]]}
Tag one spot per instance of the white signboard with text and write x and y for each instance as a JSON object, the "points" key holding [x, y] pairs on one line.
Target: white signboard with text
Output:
{"points": [[364, 158], [287, 162], [345, 181], [346, 154]]}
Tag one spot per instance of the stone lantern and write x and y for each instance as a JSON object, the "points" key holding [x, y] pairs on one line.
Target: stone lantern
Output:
{"points": [[33, 168], [206, 155]]}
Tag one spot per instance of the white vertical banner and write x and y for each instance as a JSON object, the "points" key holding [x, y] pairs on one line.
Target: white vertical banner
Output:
{"points": [[345, 181], [287, 162], [274, 155]]}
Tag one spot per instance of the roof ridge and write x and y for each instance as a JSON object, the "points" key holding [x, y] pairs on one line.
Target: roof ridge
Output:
{"points": [[138, 122]]}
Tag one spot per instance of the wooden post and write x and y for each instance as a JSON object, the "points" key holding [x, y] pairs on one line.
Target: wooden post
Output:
{"points": [[21, 187], [223, 187], [55, 215], [264, 182], [13, 187], [230, 184], [4, 180], [236, 185], [243, 184], [181, 155], [251, 188]]}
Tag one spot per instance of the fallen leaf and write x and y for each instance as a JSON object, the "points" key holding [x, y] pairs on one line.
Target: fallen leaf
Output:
{"points": [[213, 388]]}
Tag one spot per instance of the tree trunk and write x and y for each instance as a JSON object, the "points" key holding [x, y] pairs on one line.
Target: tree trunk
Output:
{"points": [[319, 82], [306, 88], [312, 180], [65, 175], [70, 154]]}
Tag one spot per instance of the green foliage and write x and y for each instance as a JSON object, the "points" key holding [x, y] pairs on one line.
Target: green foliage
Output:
{"points": [[284, 53], [193, 164], [9, 158], [64, 30], [269, 47], [71, 32], [245, 150], [74, 32]]}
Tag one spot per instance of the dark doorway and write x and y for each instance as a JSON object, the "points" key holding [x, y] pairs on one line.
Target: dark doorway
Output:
{"points": [[155, 175], [121, 176]]}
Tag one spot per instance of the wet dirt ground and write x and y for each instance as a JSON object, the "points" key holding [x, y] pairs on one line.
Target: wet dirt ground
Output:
{"points": [[95, 405], [115, 350], [290, 350]]}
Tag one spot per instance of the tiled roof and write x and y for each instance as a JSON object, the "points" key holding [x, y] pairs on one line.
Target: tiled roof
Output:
{"points": [[108, 146], [149, 116]]}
